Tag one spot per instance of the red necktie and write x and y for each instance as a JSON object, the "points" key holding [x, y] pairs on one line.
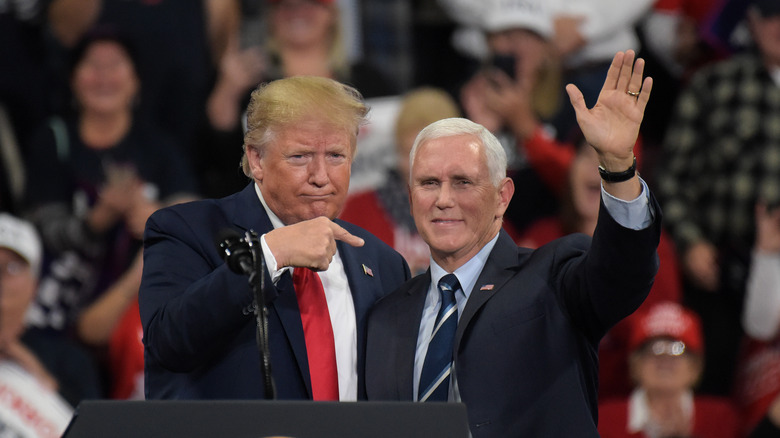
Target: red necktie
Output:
{"points": [[318, 332]]}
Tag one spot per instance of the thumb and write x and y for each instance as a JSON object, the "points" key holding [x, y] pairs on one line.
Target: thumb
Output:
{"points": [[343, 235], [576, 98]]}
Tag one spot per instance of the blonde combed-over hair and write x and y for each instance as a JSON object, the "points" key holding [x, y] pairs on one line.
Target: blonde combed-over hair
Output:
{"points": [[285, 102]]}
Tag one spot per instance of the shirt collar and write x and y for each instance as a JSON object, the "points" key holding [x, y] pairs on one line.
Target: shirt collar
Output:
{"points": [[469, 272], [275, 221]]}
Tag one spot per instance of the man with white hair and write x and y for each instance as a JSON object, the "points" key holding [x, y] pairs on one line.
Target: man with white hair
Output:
{"points": [[512, 332]]}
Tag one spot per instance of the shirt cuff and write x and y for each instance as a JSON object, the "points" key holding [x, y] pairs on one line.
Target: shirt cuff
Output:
{"points": [[270, 261], [636, 214]]}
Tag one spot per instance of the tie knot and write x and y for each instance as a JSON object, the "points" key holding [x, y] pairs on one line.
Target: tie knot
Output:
{"points": [[448, 285]]}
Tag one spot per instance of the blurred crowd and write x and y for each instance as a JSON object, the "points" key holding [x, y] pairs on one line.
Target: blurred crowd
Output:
{"points": [[110, 109]]}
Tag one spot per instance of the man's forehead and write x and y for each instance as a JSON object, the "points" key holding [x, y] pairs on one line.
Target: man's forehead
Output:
{"points": [[458, 152], [313, 136], [451, 143], [454, 169]]}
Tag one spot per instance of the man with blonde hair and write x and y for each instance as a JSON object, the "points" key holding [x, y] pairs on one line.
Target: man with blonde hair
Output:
{"points": [[322, 275]]}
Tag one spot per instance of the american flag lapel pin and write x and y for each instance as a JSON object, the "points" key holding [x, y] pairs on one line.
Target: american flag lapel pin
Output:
{"points": [[486, 287], [368, 271]]}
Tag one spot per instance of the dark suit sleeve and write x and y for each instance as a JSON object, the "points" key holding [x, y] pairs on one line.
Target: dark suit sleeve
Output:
{"points": [[190, 302], [613, 277]]}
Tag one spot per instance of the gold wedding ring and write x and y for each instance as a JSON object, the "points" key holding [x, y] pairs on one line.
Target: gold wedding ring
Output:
{"points": [[632, 93]]}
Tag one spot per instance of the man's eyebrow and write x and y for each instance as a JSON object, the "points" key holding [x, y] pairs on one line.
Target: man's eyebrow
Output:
{"points": [[461, 176]]}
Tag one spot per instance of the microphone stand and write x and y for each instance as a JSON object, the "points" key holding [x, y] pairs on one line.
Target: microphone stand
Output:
{"points": [[257, 283]]}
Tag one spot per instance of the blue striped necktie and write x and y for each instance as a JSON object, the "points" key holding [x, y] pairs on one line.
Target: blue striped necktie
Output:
{"points": [[435, 376]]}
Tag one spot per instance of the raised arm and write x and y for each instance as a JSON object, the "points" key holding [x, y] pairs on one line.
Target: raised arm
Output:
{"points": [[612, 125]]}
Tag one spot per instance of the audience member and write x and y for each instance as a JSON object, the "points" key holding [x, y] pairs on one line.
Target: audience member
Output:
{"points": [[678, 37], [666, 362], [769, 426], [673, 32], [384, 212], [26, 89], [586, 34], [304, 37], [517, 330], [719, 160], [29, 403], [385, 30], [179, 45], [513, 102], [579, 214], [199, 327], [100, 173], [113, 322], [25, 84], [758, 373], [126, 356]]}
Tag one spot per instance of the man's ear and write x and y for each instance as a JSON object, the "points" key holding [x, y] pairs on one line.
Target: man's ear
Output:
{"points": [[506, 189], [255, 161]]}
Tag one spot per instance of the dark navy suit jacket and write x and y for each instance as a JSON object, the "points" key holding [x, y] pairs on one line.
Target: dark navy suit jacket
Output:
{"points": [[526, 346], [199, 337]]}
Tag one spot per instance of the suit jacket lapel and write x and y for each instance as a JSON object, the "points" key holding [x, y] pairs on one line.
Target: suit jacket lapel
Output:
{"points": [[364, 292], [364, 287], [500, 267], [408, 315]]}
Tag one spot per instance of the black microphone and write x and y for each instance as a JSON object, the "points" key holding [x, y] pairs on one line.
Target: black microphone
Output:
{"points": [[239, 254], [235, 250]]}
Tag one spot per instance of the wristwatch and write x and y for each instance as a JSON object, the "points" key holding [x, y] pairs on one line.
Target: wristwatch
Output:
{"points": [[618, 176]]}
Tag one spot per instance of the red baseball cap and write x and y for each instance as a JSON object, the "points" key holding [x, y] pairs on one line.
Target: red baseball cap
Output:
{"points": [[668, 320]]}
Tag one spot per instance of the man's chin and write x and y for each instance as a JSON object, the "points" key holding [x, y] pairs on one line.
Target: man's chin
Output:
{"points": [[330, 213], [445, 246]]}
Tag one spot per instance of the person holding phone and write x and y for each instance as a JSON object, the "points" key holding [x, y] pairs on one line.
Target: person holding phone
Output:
{"points": [[302, 37], [514, 94], [100, 172]]}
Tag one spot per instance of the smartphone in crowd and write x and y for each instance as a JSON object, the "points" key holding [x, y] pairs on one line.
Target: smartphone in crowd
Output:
{"points": [[504, 63]]}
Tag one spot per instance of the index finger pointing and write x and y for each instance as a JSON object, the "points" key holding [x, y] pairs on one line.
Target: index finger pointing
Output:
{"points": [[343, 235]]}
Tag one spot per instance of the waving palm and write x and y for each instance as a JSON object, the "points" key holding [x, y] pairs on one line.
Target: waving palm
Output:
{"points": [[612, 125]]}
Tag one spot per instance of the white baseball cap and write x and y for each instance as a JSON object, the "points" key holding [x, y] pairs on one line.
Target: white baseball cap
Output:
{"points": [[534, 15], [22, 238]]}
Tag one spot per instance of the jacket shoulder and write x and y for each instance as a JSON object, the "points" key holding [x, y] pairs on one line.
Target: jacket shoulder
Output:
{"points": [[418, 283], [371, 240]]}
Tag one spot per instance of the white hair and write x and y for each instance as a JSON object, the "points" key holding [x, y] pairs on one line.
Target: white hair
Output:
{"points": [[494, 152]]}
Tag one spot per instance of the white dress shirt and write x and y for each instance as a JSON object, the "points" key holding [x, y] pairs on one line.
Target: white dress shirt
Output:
{"points": [[340, 307]]}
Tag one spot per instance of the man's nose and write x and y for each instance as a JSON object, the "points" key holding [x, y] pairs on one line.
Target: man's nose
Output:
{"points": [[445, 196], [318, 171]]}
